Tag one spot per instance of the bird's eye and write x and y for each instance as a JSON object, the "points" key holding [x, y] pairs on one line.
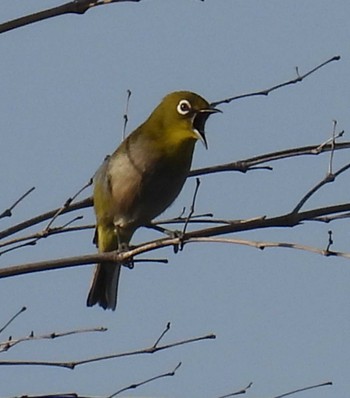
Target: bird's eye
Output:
{"points": [[183, 107]]}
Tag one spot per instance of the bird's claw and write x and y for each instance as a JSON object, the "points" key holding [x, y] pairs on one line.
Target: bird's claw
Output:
{"points": [[178, 235], [124, 247]]}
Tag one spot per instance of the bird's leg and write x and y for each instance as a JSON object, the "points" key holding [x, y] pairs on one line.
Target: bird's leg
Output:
{"points": [[123, 247]]}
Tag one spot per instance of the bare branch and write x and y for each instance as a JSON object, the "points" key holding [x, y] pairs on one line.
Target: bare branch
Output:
{"points": [[262, 245], [6, 345], [249, 164], [73, 364], [193, 204], [328, 383], [125, 117], [278, 86], [329, 178], [8, 212], [239, 392], [45, 216], [73, 7], [32, 239], [67, 203], [330, 241], [164, 332], [333, 138], [136, 385], [286, 220], [13, 318]]}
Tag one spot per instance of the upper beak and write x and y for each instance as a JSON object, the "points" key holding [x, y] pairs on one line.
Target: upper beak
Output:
{"points": [[199, 120]]}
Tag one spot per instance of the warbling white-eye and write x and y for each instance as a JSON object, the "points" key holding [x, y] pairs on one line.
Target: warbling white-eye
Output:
{"points": [[141, 179]]}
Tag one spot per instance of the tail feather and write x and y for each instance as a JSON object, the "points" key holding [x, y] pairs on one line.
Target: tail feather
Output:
{"points": [[104, 286]]}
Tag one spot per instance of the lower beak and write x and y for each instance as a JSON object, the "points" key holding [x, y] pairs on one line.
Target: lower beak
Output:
{"points": [[199, 123]]}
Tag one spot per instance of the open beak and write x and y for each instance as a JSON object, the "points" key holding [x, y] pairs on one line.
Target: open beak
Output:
{"points": [[199, 120]]}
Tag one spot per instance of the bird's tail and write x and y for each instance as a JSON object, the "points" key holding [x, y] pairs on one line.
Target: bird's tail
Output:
{"points": [[104, 286]]}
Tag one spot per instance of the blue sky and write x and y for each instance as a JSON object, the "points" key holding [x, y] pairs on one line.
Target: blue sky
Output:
{"points": [[281, 316]]}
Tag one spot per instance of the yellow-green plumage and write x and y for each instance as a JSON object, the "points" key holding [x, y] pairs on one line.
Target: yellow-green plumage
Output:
{"points": [[142, 178]]}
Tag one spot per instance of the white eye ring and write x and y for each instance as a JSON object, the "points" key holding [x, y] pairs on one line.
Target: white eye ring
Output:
{"points": [[183, 107]]}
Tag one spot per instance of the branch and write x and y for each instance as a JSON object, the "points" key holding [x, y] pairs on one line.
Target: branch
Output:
{"points": [[45, 216], [251, 163], [241, 165], [74, 7], [328, 383], [330, 177], [74, 364], [8, 212], [136, 385], [13, 318], [262, 245], [6, 345], [33, 239], [239, 392], [287, 83], [131, 387], [67, 203], [283, 221]]}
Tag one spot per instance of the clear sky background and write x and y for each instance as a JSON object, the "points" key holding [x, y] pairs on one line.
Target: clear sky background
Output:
{"points": [[281, 316]]}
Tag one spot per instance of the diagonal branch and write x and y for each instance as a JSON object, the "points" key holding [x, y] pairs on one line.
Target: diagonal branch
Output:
{"points": [[73, 364], [249, 163], [6, 345], [8, 212], [328, 383], [330, 177], [45, 216], [73, 7], [12, 319], [266, 92], [136, 385]]}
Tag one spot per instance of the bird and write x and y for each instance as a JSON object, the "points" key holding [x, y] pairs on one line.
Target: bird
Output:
{"points": [[141, 179]]}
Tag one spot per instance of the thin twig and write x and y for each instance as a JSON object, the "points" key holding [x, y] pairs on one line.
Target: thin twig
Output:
{"points": [[45, 216], [6, 345], [125, 117], [136, 385], [8, 212], [331, 157], [193, 204], [67, 203], [328, 383], [12, 318], [330, 241], [269, 90], [33, 239], [329, 178], [262, 245], [164, 332], [331, 141], [239, 392], [38, 235]]}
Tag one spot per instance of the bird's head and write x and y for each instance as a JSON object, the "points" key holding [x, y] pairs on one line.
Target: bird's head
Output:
{"points": [[184, 112]]}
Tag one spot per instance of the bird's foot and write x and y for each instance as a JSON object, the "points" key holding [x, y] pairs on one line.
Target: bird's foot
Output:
{"points": [[178, 235], [124, 247]]}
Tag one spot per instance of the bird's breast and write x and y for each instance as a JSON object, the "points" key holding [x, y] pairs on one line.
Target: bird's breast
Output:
{"points": [[144, 183]]}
